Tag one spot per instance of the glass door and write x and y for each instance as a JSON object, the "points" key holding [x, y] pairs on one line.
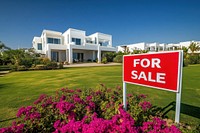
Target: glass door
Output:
{"points": [[54, 56]]}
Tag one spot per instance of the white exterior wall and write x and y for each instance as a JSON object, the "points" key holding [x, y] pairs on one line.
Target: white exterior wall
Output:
{"points": [[35, 42], [65, 37], [185, 44], [92, 37], [73, 33], [120, 48], [105, 37], [136, 46], [132, 47]]}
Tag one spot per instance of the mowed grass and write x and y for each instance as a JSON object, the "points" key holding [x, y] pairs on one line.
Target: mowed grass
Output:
{"points": [[22, 88]]}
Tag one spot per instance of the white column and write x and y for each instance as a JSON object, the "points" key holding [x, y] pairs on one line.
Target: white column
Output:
{"points": [[67, 56], [49, 52], [69, 38], [70, 55], [163, 47], [156, 48], [99, 54], [110, 42], [93, 55], [97, 40]]}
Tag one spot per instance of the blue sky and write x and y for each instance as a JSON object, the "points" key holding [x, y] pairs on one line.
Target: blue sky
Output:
{"points": [[164, 21]]}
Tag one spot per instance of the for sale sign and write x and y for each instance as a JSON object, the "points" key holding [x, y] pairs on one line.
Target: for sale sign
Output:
{"points": [[158, 70]]}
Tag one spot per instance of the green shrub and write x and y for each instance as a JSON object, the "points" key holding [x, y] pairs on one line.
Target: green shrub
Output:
{"points": [[27, 62], [118, 58], [45, 61], [194, 59], [185, 62], [13, 67], [60, 66], [109, 56], [104, 60], [5, 68], [40, 67], [22, 68], [38, 61], [52, 65]]}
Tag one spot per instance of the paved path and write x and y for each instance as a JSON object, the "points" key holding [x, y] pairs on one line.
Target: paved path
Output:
{"points": [[91, 64], [2, 73]]}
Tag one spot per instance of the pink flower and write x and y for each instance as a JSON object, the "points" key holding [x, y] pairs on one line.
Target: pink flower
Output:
{"points": [[129, 95], [145, 105], [142, 96], [78, 90], [64, 106], [56, 124], [88, 98], [62, 98]]}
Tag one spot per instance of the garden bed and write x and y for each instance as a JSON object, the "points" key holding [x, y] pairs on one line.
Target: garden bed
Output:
{"points": [[98, 110]]}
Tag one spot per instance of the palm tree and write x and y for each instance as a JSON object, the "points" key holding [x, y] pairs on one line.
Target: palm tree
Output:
{"points": [[126, 51], [3, 46], [194, 47], [185, 51]]}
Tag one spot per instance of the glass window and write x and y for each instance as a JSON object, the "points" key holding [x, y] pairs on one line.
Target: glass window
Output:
{"points": [[53, 40], [77, 41], [54, 56], [49, 40], [56, 41], [101, 43], [73, 39], [95, 41], [39, 46]]}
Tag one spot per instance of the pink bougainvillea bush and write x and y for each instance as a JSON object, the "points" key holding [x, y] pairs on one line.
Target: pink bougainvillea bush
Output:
{"points": [[90, 111]]}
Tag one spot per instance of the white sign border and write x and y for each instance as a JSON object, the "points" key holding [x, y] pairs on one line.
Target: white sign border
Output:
{"points": [[160, 88]]}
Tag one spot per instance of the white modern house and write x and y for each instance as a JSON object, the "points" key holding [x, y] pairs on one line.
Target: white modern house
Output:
{"points": [[153, 47], [73, 45], [142, 46]]}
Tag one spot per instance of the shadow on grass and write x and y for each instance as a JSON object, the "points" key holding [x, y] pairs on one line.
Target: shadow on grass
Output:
{"points": [[5, 85], [8, 119], [185, 109]]}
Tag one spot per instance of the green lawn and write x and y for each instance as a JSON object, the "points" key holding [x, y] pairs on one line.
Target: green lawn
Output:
{"points": [[22, 88]]}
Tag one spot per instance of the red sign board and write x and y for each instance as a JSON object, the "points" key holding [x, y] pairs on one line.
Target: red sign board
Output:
{"points": [[158, 70]]}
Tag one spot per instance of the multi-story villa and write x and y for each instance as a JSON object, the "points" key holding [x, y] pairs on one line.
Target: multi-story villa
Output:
{"points": [[153, 47], [72, 45]]}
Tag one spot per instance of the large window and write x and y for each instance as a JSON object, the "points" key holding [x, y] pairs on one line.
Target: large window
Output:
{"points": [[77, 57], [77, 41], [39, 45], [54, 56], [53, 40], [103, 43]]}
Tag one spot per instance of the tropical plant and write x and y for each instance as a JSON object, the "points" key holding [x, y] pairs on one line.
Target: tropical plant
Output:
{"points": [[109, 56], [139, 51], [104, 60], [118, 58], [126, 51], [3, 46], [194, 47]]}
